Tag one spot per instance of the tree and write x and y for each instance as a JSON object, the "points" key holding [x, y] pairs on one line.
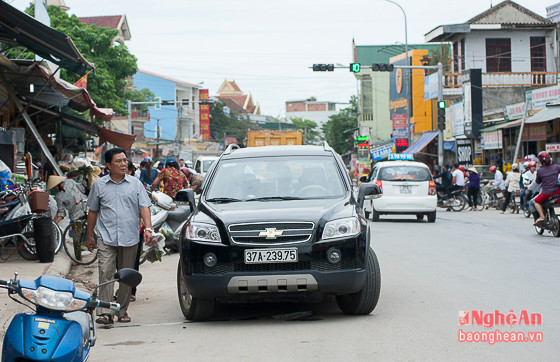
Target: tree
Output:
{"points": [[224, 123], [310, 134], [114, 64], [339, 128], [142, 95]]}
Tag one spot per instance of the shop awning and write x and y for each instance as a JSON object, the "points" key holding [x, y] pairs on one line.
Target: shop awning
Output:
{"points": [[502, 125], [422, 142], [549, 113], [18, 28]]}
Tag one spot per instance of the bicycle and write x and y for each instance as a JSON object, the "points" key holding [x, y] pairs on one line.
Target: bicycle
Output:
{"points": [[74, 242], [491, 197]]}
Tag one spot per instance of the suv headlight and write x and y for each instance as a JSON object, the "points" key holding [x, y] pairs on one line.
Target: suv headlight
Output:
{"points": [[51, 299], [349, 226], [203, 232]]}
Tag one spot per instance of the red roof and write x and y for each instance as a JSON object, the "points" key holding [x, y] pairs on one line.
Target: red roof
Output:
{"points": [[110, 21], [235, 86], [233, 105]]}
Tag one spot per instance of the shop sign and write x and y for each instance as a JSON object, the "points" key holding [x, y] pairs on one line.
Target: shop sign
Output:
{"points": [[382, 152], [456, 116], [491, 140], [514, 111], [552, 147], [401, 157], [204, 113], [534, 132], [464, 152], [538, 98]]}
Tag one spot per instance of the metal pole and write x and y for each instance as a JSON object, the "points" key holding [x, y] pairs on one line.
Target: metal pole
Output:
{"points": [[129, 104], [409, 78], [520, 131], [440, 132]]}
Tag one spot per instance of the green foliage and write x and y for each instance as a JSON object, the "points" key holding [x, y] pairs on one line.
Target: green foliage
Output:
{"points": [[223, 124], [113, 63], [339, 128], [308, 128], [142, 95], [441, 55]]}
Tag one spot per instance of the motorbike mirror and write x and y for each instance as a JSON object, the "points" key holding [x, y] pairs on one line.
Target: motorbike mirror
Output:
{"points": [[129, 277]]}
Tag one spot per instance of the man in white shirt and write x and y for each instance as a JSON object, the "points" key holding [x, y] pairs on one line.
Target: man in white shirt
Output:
{"points": [[458, 176]]}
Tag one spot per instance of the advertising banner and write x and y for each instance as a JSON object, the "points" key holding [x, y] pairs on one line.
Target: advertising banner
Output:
{"points": [[431, 86], [514, 111], [464, 152], [457, 120], [534, 132], [382, 152], [399, 95], [491, 140], [540, 97], [472, 102], [204, 115], [552, 147]]}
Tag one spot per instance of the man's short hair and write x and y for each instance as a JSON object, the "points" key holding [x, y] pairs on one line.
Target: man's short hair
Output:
{"points": [[112, 152], [181, 160], [456, 165], [143, 163]]}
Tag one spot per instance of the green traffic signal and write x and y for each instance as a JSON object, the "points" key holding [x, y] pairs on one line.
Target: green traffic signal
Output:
{"points": [[441, 104], [355, 67]]}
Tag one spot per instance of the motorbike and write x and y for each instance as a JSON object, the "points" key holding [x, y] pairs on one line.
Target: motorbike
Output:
{"points": [[168, 218], [455, 200], [551, 222], [62, 326]]}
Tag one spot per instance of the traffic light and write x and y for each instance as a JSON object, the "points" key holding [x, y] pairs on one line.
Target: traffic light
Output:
{"points": [[441, 115], [323, 67], [382, 67], [355, 67]]}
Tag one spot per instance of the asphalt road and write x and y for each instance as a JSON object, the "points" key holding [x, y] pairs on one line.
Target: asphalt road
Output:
{"points": [[480, 261]]}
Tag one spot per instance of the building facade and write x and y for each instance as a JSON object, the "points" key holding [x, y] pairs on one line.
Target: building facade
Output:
{"points": [[312, 110]]}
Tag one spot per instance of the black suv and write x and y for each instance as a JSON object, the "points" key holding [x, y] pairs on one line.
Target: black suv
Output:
{"points": [[277, 222]]}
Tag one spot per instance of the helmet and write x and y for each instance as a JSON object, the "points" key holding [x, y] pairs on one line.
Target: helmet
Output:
{"points": [[544, 158], [462, 168], [531, 164], [514, 166], [54, 180], [492, 168]]}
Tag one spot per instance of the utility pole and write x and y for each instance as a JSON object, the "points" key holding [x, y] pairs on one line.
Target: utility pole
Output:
{"points": [[157, 137]]}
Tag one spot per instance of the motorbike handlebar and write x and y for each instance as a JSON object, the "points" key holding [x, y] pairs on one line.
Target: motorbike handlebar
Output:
{"points": [[109, 305], [3, 282]]}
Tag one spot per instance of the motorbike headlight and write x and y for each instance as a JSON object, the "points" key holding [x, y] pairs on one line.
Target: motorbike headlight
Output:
{"points": [[51, 299], [203, 232], [349, 226]]}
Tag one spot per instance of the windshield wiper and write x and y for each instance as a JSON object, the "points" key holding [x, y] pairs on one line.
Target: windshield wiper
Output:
{"points": [[223, 200], [275, 198]]}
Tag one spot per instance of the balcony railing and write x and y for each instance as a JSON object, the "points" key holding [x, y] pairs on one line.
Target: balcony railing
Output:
{"points": [[534, 79]]}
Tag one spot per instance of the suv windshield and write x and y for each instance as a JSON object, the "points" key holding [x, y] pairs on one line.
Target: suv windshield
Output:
{"points": [[276, 178], [408, 173]]}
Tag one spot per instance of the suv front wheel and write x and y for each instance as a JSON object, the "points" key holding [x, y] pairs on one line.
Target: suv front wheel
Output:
{"points": [[194, 309], [364, 301]]}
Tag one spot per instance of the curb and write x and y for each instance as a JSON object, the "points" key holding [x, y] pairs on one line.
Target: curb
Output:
{"points": [[60, 267]]}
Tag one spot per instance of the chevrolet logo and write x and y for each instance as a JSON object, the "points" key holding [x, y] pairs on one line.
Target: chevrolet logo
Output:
{"points": [[271, 233]]}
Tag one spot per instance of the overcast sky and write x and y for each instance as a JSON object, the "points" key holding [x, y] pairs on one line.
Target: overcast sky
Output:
{"points": [[267, 46]]}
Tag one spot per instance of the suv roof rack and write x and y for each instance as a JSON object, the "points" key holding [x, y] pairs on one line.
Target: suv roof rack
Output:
{"points": [[231, 148]]}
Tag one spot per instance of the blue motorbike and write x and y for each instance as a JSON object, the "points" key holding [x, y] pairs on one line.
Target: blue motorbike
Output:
{"points": [[62, 327]]}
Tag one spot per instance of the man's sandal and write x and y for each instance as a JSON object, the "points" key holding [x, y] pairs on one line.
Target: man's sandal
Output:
{"points": [[124, 319], [104, 319]]}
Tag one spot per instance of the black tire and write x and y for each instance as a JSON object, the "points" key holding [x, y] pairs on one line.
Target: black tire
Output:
{"points": [[512, 205], [27, 251], [556, 230], [538, 230], [527, 212], [374, 215], [432, 216], [364, 301], [193, 308], [419, 217], [366, 214], [459, 203], [68, 244], [57, 232], [480, 202]]}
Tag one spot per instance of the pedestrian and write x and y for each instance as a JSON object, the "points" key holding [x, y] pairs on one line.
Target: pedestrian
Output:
{"points": [[148, 173], [194, 179], [116, 204], [139, 169], [173, 179], [512, 185], [473, 188], [69, 199]]}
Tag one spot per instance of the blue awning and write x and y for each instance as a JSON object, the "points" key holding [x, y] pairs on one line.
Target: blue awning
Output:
{"points": [[422, 142]]}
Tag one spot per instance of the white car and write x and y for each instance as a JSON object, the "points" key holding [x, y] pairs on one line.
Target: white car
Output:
{"points": [[203, 163], [407, 188]]}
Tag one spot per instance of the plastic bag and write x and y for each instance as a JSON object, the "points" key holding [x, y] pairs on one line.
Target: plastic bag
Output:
{"points": [[166, 230], [154, 249], [5, 175]]}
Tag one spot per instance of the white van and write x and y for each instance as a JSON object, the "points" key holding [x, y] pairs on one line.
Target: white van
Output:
{"points": [[203, 163]]}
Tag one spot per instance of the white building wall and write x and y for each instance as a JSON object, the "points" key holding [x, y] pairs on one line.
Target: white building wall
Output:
{"points": [[475, 49]]}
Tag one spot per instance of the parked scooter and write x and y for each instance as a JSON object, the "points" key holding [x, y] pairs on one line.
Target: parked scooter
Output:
{"points": [[62, 327], [168, 218]]}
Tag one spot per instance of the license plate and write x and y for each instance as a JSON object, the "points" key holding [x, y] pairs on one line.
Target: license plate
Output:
{"points": [[518, 199], [264, 256], [499, 194], [405, 189]]}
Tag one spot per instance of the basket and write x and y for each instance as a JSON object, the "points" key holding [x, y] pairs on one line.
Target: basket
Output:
{"points": [[39, 201]]}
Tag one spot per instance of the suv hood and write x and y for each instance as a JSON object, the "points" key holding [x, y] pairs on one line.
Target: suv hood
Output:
{"points": [[318, 211]]}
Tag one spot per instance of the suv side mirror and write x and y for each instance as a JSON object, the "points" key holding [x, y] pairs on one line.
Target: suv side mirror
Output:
{"points": [[186, 195], [368, 189]]}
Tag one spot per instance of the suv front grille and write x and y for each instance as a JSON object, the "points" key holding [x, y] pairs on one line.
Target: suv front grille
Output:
{"points": [[319, 265], [271, 233]]}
